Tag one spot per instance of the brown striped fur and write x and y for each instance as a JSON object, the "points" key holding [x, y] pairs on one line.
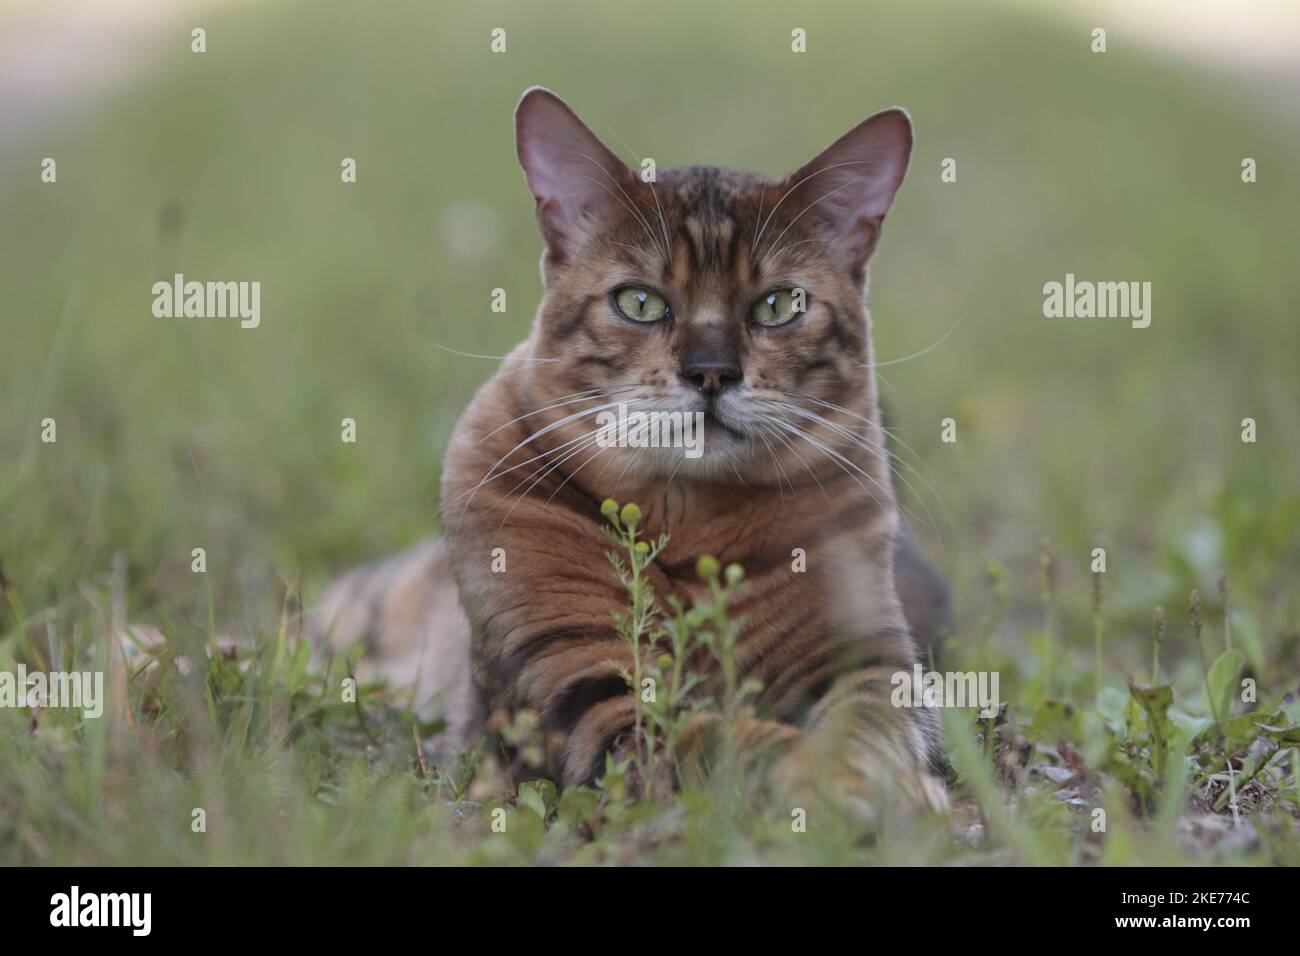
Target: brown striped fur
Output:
{"points": [[521, 475]]}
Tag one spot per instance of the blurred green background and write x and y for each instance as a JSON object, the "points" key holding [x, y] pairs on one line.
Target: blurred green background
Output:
{"points": [[175, 434]]}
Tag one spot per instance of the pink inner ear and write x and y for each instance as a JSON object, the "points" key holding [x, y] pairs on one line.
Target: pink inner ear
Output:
{"points": [[851, 184], [568, 169], [554, 164]]}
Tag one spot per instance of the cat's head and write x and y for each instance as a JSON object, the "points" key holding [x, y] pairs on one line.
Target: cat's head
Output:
{"points": [[710, 290]]}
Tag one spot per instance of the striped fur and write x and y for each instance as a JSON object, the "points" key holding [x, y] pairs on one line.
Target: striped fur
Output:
{"points": [[794, 462]]}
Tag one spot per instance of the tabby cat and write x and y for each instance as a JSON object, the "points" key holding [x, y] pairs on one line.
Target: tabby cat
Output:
{"points": [[701, 290]]}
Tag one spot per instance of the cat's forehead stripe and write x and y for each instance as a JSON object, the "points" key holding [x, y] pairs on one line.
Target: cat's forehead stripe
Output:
{"points": [[709, 243], [704, 263], [708, 220]]}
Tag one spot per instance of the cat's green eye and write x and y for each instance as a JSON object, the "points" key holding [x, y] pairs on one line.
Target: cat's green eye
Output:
{"points": [[640, 305], [778, 307]]}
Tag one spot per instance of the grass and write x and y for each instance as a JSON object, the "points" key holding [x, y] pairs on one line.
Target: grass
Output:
{"points": [[1072, 435]]}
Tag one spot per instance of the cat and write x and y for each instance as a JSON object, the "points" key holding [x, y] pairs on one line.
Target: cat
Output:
{"points": [[700, 290]]}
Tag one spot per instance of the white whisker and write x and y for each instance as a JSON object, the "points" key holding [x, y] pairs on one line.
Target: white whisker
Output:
{"points": [[846, 464], [572, 398], [759, 235], [770, 254], [914, 355], [518, 358], [923, 476], [868, 445], [629, 205], [654, 192], [528, 438]]}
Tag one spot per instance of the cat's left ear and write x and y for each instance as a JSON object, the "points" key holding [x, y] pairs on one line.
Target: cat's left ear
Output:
{"points": [[850, 185]]}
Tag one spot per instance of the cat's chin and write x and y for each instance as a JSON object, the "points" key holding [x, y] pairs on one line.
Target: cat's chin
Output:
{"points": [[722, 454]]}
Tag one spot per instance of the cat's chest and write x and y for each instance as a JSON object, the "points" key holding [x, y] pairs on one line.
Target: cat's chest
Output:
{"points": [[823, 562], [826, 575]]}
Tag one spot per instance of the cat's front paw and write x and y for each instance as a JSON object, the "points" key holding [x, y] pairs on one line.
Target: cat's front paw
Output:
{"points": [[858, 781]]}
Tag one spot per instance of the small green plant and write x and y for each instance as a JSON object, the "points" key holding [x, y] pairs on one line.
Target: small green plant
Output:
{"points": [[1225, 595], [668, 692], [639, 625], [1157, 638], [1098, 599], [1047, 577]]}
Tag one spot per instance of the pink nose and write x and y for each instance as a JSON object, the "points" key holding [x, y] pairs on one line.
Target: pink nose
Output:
{"points": [[711, 377]]}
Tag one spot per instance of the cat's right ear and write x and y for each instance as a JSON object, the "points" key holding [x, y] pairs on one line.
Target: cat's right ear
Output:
{"points": [[576, 179], [849, 186]]}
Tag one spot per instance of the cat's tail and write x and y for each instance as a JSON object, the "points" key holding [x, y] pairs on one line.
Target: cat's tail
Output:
{"points": [[923, 593], [406, 613]]}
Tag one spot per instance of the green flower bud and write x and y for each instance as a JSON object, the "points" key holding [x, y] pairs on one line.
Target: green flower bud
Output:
{"points": [[707, 567], [665, 662], [609, 508], [642, 548], [735, 574], [630, 514]]}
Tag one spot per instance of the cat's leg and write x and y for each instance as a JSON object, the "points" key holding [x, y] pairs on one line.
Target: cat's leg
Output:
{"points": [[540, 597], [862, 752], [854, 750]]}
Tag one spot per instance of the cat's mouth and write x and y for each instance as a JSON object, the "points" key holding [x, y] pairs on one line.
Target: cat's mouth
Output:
{"points": [[713, 420]]}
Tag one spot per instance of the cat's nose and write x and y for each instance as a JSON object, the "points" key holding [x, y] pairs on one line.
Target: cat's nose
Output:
{"points": [[711, 376]]}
